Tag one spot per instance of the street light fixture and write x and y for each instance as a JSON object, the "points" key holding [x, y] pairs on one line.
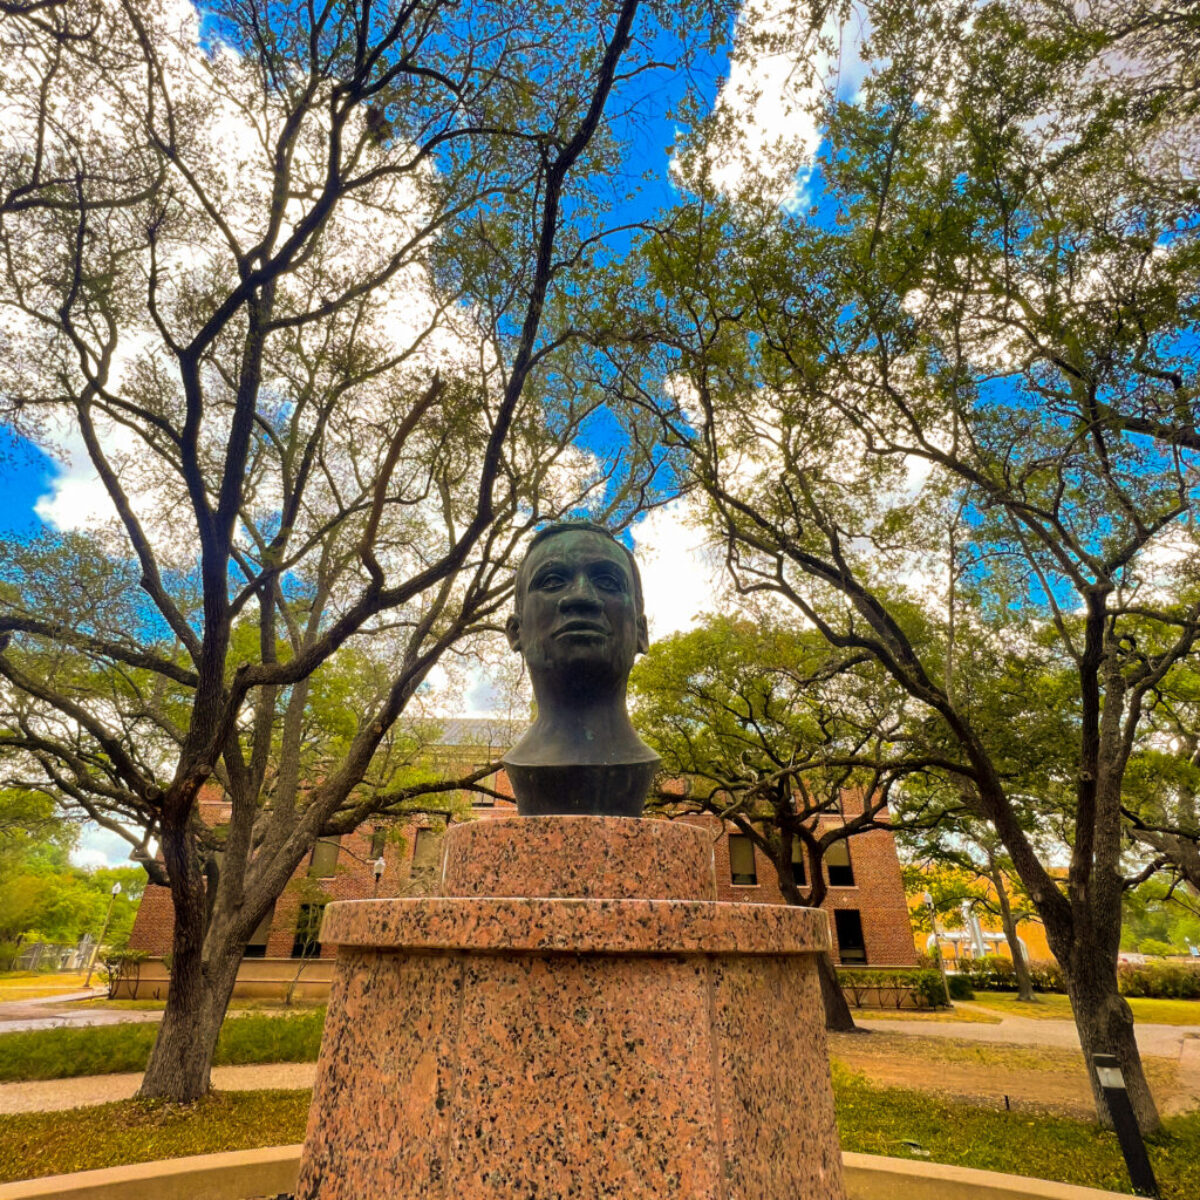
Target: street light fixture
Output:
{"points": [[937, 946], [116, 891]]}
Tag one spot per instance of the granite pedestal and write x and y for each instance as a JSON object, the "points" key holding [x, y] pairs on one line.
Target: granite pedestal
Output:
{"points": [[575, 1016]]}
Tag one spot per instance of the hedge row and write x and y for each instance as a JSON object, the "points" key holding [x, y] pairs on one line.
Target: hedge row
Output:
{"points": [[1160, 980], [1153, 980], [996, 973], [925, 982]]}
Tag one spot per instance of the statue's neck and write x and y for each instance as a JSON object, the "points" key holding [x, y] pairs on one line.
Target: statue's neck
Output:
{"points": [[575, 728]]}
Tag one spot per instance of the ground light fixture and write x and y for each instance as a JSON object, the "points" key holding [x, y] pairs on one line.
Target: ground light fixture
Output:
{"points": [[116, 891], [1137, 1161]]}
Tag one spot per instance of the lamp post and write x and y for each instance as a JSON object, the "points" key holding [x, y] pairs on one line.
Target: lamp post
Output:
{"points": [[116, 891], [937, 946], [378, 868]]}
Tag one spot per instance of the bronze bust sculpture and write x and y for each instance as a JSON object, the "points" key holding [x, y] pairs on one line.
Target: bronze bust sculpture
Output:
{"points": [[579, 621]]}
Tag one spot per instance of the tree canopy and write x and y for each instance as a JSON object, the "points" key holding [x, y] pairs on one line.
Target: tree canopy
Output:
{"points": [[948, 414]]}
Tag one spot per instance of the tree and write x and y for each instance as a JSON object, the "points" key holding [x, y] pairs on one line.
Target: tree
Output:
{"points": [[311, 338], [962, 865], [1161, 914], [1161, 797], [773, 730], [988, 313], [42, 896]]}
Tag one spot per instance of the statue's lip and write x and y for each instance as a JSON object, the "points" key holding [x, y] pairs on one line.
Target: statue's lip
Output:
{"points": [[581, 627]]}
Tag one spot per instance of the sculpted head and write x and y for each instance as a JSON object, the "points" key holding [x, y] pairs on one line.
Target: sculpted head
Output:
{"points": [[579, 618]]}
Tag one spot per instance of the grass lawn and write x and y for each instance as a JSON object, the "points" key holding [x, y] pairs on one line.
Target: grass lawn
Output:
{"points": [[902, 1124], [33, 985], [103, 1049], [133, 1131], [1050, 1006], [891, 1121]]}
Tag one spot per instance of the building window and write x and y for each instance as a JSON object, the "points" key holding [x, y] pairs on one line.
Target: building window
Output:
{"points": [[851, 947], [308, 928], [256, 947], [324, 857], [837, 859], [378, 841], [427, 853], [742, 869], [798, 876]]}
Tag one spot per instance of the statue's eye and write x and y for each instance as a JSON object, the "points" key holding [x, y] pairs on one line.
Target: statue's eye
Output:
{"points": [[549, 579], [609, 582]]}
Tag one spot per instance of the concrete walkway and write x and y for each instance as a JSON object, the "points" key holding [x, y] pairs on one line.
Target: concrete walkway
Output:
{"points": [[19, 1016], [1165, 1041], [54, 1095]]}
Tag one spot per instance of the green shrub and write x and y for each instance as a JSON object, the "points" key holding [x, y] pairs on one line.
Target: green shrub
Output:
{"points": [[261, 1038], [1046, 976], [993, 973], [1155, 948], [1160, 980], [996, 973], [960, 987], [926, 982]]}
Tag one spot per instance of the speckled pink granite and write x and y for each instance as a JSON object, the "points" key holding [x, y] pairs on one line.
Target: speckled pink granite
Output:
{"points": [[480, 1048], [575, 926], [588, 857]]}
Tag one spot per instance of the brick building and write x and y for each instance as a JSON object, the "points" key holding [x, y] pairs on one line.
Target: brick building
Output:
{"points": [[866, 901], [868, 910]]}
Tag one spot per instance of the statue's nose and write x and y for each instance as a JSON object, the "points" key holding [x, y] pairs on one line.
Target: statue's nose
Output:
{"points": [[581, 593]]}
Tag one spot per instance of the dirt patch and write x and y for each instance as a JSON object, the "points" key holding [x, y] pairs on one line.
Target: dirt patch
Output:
{"points": [[1025, 1078]]}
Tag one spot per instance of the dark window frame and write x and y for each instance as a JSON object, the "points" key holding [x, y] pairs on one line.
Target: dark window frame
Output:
{"points": [[256, 945], [306, 941], [852, 950], [742, 878], [840, 874], [799, 877], [334, 844], [434, 838]]}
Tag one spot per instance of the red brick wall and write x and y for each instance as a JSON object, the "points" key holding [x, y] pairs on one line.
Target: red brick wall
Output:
{"points": [[353, 879], [878, 891]]}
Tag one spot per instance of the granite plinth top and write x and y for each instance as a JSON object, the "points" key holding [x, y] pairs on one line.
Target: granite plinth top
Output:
{"points": [[575, 926], [588, 857]]}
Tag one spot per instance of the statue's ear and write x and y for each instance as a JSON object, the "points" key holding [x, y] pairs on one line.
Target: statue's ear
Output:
{"points": [[643, 635], [512, 631]]}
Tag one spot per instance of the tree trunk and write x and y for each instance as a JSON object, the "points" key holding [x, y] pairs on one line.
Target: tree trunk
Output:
{"points": [[181, 1061], [838, 1018], [1105, 1025], [1020, 966]]}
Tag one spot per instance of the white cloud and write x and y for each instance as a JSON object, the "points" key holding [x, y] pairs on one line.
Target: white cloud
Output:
{"points": [[681, 574], [767, 114], [100, 848]]}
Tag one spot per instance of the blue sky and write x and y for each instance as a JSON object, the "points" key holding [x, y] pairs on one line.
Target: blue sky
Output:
{"points": [[28, 474]]}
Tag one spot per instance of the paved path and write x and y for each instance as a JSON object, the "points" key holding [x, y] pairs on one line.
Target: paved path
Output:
{"points": [[54, 1095], [1165, 1041], [18, 1016]]}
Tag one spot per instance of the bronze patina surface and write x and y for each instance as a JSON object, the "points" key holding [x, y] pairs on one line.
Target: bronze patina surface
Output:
{"points": [[579, 622]]}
